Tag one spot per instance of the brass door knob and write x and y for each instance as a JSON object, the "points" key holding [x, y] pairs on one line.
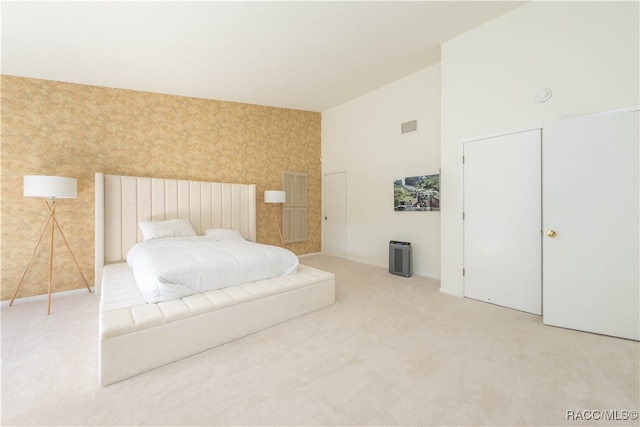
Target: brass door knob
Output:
{"points": [[552, 233]]}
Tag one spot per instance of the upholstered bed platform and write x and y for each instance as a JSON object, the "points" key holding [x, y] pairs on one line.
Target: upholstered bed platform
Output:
{"points": [[135, 336]]}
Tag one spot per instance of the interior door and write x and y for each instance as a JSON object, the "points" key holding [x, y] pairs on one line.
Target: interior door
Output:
{"points": [[502, 221], [335, 217], [591, 215]]}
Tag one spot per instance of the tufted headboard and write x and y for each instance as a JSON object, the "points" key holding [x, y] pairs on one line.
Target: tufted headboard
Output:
{"points": [[122, 201]]}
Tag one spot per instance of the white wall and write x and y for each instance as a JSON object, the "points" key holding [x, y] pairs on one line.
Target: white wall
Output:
{"points": [[363, 138], [586, 52]]}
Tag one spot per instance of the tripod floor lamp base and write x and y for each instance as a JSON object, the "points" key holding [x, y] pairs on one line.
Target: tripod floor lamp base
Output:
{"points": [[51, 188]]}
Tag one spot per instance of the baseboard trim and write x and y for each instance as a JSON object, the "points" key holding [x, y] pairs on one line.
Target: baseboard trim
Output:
{"points": [[44, 297], [311, 254], [386, 267], [450, 292]]}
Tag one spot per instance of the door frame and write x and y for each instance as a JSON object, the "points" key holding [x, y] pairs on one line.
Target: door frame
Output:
{"points": [[534, 125], [460, 276], [533, 288], [324, 207]]}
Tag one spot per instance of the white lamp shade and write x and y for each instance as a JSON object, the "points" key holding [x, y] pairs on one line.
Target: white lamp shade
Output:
{"points": [[272, 196], [50, 187]]}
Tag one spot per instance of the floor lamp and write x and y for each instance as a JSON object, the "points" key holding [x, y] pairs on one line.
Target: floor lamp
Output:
{"points": [[50, 188], [276, 197]]}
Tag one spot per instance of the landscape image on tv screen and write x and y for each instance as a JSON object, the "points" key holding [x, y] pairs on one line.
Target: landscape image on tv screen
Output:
{"points": [[417, 193]]}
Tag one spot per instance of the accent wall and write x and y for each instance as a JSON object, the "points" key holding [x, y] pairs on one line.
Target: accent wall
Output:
{"points": [[53, 128]]}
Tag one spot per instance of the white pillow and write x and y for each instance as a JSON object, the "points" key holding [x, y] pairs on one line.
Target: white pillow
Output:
{"points": [[224, 234], [172, 228]]}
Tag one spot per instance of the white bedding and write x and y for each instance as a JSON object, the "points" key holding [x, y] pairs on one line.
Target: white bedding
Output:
{"points": [[172, 268]]}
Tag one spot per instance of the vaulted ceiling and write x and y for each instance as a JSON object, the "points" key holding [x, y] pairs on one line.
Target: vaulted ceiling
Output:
{"points": [[297, 54]]}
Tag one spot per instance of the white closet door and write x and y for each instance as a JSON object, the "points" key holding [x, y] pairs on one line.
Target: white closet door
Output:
{"points": [[502, 220], [590, 199], [335, 217]]}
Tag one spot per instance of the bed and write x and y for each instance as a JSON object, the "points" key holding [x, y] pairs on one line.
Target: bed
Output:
{"points": [[135, 335]]}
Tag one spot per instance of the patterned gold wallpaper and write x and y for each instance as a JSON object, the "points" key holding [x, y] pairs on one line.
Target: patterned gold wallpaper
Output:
{"points": [[53, 128]]}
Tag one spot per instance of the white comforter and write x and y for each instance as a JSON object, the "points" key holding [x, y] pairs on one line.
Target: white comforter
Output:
{"points": [[171, 268]]}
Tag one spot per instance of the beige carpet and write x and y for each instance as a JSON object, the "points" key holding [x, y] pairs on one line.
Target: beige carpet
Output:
{"points": [[391, 351]]}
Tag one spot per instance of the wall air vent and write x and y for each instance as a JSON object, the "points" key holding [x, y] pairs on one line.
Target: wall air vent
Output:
{"points": [[411, 126]]}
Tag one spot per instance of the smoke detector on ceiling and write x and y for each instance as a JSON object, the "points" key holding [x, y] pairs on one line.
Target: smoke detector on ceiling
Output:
{"points": [[543, 95]]}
